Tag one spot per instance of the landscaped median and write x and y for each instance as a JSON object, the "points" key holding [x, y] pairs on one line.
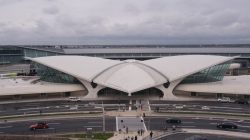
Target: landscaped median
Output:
{"points": [[75, 136], [92, 136], [87, 113]]}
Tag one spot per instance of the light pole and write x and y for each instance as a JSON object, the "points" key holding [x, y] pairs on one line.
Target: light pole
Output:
{"points": [[103, 118]]}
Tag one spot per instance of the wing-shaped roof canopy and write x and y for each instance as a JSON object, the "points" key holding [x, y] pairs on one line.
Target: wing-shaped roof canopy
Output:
{"points": [[82, 67], [176, 67], [131, 76]]}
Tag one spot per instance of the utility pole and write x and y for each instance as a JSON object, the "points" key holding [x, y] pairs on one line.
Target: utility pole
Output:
{"points": [[103, 118]]}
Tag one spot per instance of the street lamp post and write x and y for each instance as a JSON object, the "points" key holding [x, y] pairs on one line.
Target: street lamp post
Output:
{"points": [[103, 118]]}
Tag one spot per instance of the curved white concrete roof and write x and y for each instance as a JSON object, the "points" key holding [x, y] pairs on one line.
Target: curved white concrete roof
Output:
{"points": [[82, 67], [131, 76], [229, 85], [176, 67]]}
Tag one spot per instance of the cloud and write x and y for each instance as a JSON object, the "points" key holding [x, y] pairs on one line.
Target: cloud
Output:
{"points": [[127, 22], [51, 10]]}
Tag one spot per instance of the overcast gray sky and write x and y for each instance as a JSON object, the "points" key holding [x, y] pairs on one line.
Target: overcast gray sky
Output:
{"points": [[124, 21]]}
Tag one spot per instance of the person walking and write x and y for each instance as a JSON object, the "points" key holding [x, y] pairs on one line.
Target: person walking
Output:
{"points": [[151, 135]]}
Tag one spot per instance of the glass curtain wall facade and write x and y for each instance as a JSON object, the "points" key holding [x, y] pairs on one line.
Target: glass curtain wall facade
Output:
{"points": [[212, 74], [9, 55], [51, 75], [37, 53]]}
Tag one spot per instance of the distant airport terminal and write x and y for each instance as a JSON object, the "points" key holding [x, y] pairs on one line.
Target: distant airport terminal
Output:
{"points": [[166, 72]]}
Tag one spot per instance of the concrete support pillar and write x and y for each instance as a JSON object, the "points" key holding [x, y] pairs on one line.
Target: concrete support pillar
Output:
{"points": [[92, 92]]}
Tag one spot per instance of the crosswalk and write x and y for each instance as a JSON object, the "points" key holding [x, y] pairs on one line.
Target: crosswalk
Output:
{"points": [[130, 123]]}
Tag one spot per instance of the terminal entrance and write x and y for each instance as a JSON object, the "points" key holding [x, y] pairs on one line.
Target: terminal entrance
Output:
{"points": [[146, 93]]}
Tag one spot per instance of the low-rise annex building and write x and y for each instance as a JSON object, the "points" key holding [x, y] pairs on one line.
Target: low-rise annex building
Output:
{"points": [[173, 77]]}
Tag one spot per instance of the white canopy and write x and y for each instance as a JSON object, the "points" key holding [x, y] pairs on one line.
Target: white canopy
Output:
{"points": [[131, 76]]}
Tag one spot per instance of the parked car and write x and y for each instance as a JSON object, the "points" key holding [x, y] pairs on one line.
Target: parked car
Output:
{"points": [[224, 99], [241, 101], [74, 99], [205, 108], [227, 125], [173, 121], [179, 106], [39, 125]]}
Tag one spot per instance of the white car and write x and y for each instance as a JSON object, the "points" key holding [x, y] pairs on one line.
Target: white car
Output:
{"points": [[179, 106], [205, 108], [224, 99], [74, 99]]}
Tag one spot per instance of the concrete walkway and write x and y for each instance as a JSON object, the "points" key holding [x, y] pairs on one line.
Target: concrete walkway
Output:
{"points": [[123, 135]]}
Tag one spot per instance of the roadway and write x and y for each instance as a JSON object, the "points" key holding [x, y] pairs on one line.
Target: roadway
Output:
{"points": [[212, 106], [96, 123], [164, 106], [59, 126]]}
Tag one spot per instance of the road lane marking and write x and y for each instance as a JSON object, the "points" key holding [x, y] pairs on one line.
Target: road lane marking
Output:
{"points": [[53, 123], [187, 122], [92, 126], [225, 107], [144, 125], [31, 112], [241, 130], [94, 122], [116, 119], [244, 126], [51, 128], [187, 126], [5, 127]]}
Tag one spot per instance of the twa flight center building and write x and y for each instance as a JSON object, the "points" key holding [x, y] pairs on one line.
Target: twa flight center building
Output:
{"points": [[181, 77]]}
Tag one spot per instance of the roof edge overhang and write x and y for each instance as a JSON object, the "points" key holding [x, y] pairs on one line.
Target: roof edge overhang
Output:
{"points": [[183, 76], [61, 70]]}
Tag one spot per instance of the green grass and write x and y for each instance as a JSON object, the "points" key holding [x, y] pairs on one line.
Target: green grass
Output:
{"points": [[96, 136]]}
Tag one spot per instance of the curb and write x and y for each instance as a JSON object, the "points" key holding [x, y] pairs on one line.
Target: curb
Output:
{"points": [[206, 113], [50, 114]]}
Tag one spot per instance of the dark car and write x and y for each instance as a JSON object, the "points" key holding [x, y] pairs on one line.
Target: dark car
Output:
{"points": [[227, 126], [39, 125], [241, 101], [173, 121]]}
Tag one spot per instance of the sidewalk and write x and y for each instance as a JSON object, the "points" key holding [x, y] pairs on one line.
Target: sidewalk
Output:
{"points": [[122, 136]]}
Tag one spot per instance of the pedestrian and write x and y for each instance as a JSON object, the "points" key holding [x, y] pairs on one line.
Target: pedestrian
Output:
{"points": [[132, 138], [135, 137], [127, 130], [151, 134], [173, 127], [141, 132], [138, 132]]}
